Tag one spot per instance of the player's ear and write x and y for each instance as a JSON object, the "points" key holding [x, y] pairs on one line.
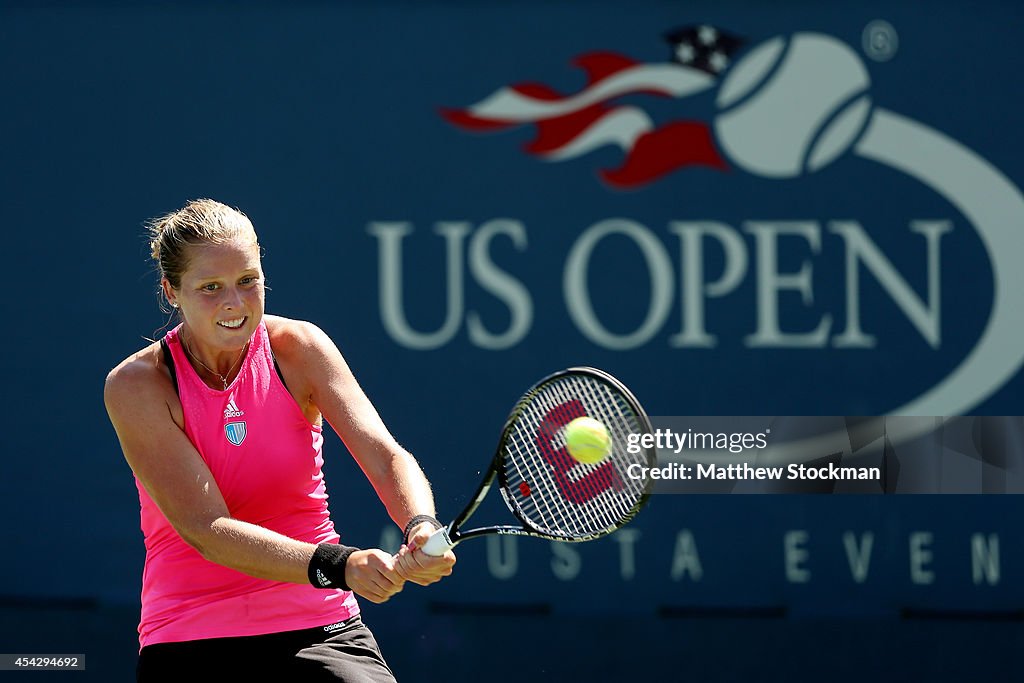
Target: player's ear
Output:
{"points": [[168, 292]]}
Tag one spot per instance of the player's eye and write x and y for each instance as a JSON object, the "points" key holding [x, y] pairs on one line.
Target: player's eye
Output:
{"points": [[210, 287]]}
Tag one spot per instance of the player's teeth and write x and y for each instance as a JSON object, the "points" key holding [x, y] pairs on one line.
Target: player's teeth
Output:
{"points": [[233, 323]]}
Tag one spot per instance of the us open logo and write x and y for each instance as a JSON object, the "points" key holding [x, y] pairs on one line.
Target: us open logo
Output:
{"points": [[785, 108]]}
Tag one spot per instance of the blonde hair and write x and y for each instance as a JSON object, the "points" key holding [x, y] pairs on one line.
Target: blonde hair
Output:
{"points": [[200, 221]]}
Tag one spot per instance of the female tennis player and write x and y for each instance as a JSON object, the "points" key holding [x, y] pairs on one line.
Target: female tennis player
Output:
{"points": [[221, 423]]}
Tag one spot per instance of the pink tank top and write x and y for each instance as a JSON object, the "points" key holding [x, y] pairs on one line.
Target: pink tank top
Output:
{"points": [[266, 458]]}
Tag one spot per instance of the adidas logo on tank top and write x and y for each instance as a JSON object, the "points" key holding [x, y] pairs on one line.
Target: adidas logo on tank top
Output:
{"points": [[232, 410]]}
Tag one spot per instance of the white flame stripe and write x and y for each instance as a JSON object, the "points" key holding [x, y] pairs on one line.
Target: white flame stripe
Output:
{"points": [[994, 206], [674, 80], [621, 126]]}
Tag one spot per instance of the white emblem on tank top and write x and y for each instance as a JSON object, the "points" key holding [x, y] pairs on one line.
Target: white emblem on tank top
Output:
{"points": [[232, 410]]}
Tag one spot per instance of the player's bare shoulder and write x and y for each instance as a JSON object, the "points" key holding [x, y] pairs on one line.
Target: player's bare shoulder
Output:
{"points": [[139, 381], [294, 340], [310, 361], [299, 348]]}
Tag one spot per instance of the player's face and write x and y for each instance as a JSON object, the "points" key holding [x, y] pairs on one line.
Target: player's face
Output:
{"points": [[222, 297]]}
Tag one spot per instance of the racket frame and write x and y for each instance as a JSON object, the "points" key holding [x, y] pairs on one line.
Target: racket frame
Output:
{"points": [[454, 534]]}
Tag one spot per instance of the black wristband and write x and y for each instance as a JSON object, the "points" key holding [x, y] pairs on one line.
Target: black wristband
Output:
{"points": [[327, 566], [416, 521]]}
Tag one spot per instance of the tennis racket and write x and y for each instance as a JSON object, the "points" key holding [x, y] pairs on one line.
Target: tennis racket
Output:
{"points": [[551, 494]]}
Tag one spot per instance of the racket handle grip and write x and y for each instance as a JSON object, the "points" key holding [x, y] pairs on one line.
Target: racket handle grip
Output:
{"points": [[438, 544]]}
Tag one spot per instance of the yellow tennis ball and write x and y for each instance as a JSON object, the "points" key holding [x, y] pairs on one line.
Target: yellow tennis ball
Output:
{"points": [[587, 440]]}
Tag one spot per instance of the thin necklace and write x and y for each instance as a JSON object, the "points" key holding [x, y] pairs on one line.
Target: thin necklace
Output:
{"points": [[223, 378]]}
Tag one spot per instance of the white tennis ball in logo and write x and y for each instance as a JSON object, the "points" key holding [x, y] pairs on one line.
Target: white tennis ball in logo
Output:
{"points": [[587, 440], [792, 105]]}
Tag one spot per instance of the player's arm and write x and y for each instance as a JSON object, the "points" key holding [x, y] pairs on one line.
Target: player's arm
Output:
{"points": [[139, 399], [392, 471]]}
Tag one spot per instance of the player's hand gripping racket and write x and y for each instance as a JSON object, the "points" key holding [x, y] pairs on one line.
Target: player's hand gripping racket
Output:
{"points": [[553, 495]]}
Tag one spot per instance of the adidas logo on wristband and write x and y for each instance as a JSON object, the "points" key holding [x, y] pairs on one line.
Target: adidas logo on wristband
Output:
{"points": [[322, 579]]}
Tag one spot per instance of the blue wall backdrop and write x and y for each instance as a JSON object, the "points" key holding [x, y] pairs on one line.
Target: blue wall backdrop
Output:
{"points": [[738, 208]]}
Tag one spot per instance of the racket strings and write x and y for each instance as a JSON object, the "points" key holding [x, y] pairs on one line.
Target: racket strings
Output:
{"points": [[619, 418], [597, 485], [557, 408], [539, 501], [550, 490], [589, 494]]}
